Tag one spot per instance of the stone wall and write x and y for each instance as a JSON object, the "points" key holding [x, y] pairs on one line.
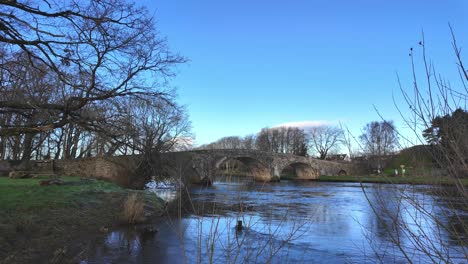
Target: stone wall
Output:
{"points": [[5, 167], [38, 167], [187, 166], [119, 169]]}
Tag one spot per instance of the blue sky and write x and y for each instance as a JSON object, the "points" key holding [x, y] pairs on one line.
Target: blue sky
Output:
{"points": [[255, 64]]}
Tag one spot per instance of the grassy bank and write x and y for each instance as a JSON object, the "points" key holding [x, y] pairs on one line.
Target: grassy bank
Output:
{"points": [[388, 179], [288, 176], [52, 224]]}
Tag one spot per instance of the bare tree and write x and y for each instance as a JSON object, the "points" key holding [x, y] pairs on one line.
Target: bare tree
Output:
{"points": [[21, 81], [152, 126], [437, 116], [438, 112], [379, 139], [288, 140], [230, 142], [94, 51], [348, 139], [68, 68], [291, 140], [249, 141], [156, 126], [323, 139]]}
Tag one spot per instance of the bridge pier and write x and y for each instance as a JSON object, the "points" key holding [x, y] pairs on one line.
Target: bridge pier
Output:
{"points": [[200, 166], [260, 174], [305, 172], [275, 173]]}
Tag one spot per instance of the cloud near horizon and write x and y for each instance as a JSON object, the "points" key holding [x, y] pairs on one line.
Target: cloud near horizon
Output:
{"points": [[183, 143], [305, 124]]}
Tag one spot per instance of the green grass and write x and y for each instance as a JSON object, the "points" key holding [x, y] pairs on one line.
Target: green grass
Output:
{"points": [[288, 176], [27, 194], [37, 220], [394, 180], [410, 172]]}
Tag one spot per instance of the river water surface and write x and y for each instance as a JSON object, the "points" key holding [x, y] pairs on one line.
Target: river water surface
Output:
{"points": [[296, 222]]}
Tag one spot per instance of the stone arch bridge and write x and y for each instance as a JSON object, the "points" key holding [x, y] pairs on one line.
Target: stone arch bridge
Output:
{"points": [[200, 166], [197, 166]]}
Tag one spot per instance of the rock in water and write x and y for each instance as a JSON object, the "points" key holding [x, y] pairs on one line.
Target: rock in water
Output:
{"points": [[239, 226]]}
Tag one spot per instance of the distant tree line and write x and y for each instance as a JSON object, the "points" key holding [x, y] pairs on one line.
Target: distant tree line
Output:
{"points": [[288, 140], [324, 142]]}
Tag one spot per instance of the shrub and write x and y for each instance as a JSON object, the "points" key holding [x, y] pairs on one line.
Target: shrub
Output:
{"points": [[133, 209]]}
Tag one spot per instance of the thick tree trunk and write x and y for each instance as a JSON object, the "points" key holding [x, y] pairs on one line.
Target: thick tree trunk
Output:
{"points": [[27, 146]]}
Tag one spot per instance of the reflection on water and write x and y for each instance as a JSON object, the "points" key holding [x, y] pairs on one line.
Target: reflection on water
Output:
{"points": [[165, 190], [294, 222]]}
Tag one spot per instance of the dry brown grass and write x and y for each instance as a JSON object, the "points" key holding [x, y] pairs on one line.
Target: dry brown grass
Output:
{"points": [[260, 173], [133, 209], [304, 172]]}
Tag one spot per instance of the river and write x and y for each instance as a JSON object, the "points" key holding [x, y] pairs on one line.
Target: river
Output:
{"points": [[298, 222]]}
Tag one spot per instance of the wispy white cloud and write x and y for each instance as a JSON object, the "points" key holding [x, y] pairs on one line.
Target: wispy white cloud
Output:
{"points": [[306, 124], [183, 143]]}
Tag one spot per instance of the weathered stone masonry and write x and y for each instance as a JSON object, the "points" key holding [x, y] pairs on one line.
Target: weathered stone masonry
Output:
{"points": [[197, 166]]}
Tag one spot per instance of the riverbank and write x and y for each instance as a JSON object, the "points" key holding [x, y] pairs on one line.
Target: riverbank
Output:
{"points": [[392, 180], [54, 224]]}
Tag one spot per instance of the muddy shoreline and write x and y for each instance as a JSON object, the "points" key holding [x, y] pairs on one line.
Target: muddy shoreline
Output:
{"points": [[58, 224]]}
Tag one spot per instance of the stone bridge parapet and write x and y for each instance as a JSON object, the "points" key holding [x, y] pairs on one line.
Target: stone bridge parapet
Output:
{"points": [[264, 166], [196, 166]]}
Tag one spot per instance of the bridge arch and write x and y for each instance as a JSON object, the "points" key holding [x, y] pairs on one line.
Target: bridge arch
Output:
{"points": [[299, 170], [342, 172], [255, 167], [201, 165]]}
